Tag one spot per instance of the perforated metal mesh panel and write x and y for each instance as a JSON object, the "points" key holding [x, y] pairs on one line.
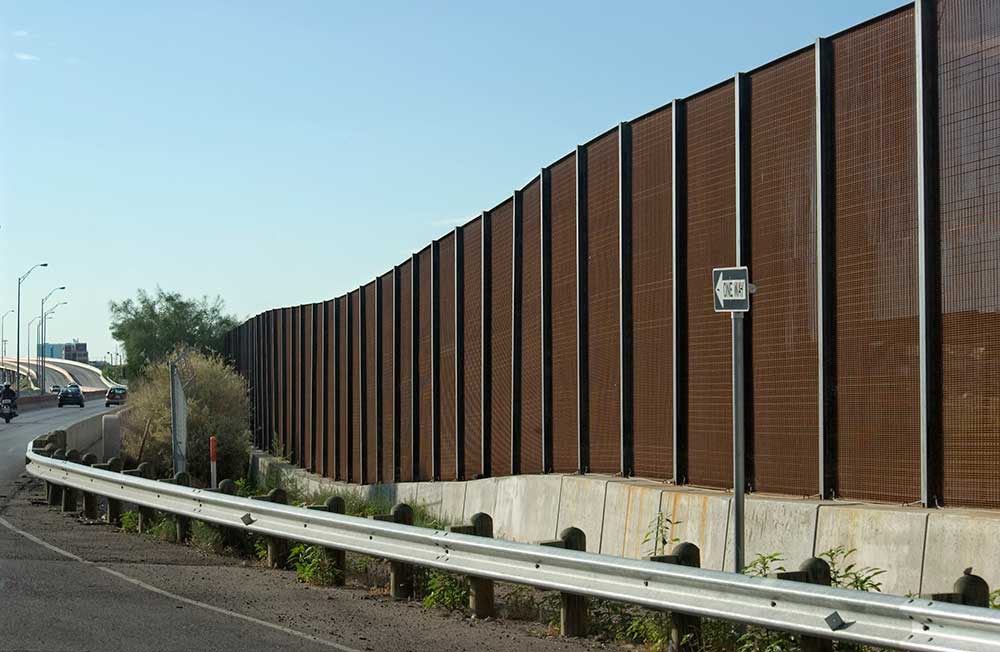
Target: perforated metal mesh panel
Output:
{"points": [[424, 375], [602, 304], [565, 451], [472, 240], [355, 343], [969, 114], [502, 298], [446, 370], [783, 263], [652, 308], [306, 436], [388, 385], [531, 330], [878, 434], [345, 404], [331, 423], [405, 327], [371, 378], [711, 243]]}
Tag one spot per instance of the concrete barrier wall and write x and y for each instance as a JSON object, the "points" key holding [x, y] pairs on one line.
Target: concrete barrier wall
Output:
{"points": [[921, 551]]}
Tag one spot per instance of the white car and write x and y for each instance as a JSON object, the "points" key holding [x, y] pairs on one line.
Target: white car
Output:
{"points": [[55, 389]]}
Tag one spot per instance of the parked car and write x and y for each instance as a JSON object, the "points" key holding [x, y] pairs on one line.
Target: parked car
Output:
{"points": [[55, 389], [71, 395], [115, 396]]}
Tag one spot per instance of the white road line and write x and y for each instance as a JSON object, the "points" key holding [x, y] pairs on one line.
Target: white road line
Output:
{"points": [[173, 596]]}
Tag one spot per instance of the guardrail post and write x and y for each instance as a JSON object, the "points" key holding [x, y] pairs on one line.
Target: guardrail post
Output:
{"points": [[277, 549], [812, 571], [685, 633], [89, 498], [114, 505], [969, 589], [70, 500], [144, 470], [573, 617], [182, 524], [337, 558], [56, 490], [230, 536], [481, 597], [400, 574]]}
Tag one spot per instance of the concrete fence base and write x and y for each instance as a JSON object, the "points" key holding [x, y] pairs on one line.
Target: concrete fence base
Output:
{"points": [[922, 551]]}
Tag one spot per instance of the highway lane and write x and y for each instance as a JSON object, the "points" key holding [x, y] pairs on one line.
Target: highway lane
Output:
{"points": [[14, 436], [86, 377], [66, 584]]}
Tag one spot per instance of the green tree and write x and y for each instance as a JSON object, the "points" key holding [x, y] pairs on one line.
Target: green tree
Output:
{"points": [[152, 325]]}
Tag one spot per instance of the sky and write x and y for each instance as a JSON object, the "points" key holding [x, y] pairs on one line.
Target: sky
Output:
{"points": [[282, 153]]}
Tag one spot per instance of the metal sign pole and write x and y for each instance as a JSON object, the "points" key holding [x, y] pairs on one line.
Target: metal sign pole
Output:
{"points": [[739, 465]]}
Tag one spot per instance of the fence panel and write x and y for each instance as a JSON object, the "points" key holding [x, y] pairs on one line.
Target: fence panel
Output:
{"points": [[711, 243], [331, 406], [501, 300], [446, 354], [878, 428], [424, 354], [783, 260], [371, 379], [472, 304], [565, 451], [969, 116], [531, 329], [652, 278], [407, 428], [386, 326]]}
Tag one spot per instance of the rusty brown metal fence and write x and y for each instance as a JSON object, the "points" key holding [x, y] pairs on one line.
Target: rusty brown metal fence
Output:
{"points": [[858, 180]]}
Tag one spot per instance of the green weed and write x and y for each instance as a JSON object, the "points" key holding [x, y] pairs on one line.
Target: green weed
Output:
{"points": [[130, 522], [849, 575], [659, 533], [446, 590], [312, 564]]}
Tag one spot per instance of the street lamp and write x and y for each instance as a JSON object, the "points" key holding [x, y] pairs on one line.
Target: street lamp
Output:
{"points": [[37, 318], [3, 340], [41, 341], [17, 366]]}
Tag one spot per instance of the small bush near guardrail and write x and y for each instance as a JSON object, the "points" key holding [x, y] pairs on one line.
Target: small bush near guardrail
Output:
{"points": [[995, 599], [217, 406]]}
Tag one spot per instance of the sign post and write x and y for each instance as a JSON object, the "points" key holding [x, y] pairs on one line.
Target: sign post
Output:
{"points": [[178, 420], [731, 290]]}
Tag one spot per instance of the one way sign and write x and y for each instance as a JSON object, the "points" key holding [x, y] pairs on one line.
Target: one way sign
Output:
{"points": [[731, 289]]}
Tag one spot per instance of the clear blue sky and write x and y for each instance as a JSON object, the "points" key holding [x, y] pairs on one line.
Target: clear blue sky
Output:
{"points": [[280, 153]]}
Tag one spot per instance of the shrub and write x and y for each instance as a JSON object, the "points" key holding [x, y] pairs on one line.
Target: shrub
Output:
{"points": [[312, 564], [446, 590], [216, 405]]}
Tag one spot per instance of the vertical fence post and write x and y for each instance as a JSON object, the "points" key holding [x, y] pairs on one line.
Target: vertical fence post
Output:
{"points": [[678, 266], [545, 212], [928, 253], [625, 366], [573, 616], [582, 316], [685, 633], [481, 598], [517, 296], [277, 548]]}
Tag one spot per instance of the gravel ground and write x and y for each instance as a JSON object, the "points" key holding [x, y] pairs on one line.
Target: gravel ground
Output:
{"points": [[133, 592]]}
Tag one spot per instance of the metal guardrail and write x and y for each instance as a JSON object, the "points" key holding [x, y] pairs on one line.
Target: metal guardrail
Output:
{"points": [[818, 611]]}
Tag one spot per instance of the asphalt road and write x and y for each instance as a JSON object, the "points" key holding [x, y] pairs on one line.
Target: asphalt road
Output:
{"points": [[70, 584], [83, 377]]}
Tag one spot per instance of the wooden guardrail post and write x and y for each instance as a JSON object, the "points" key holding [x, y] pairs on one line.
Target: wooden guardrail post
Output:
{"points": [[336, 557], [277, 549], [812, 571], [70, 499], [482, 602], [573, 617], [90, 498], [968, 589], [146, 514], [56, 490], [400, 573], [685, 633], [230, 536], [114, 505]]}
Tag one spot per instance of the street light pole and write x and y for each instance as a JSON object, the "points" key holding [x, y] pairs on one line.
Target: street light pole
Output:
{"points": [[3, 339], [17, 365], [41, 341]]}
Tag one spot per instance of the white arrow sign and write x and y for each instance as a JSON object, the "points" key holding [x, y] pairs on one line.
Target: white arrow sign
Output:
{"points": [[731, 289]]}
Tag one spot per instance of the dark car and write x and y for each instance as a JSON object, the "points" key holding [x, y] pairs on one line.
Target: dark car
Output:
{"points": [[71, 395], [115, 396]]}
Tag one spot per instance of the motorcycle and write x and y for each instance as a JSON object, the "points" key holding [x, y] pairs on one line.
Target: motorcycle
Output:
{"points": [[7, 410]]}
